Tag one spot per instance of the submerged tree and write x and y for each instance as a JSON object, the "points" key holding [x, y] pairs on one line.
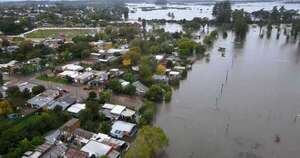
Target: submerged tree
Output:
{"points": [[240, 22], [222, 12]]}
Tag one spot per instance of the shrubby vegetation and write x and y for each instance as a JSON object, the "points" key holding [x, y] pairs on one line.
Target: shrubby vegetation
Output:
{"points": [[149, 141], [26, 133]]}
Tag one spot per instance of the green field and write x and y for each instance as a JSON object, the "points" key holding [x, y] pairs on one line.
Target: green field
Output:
{"points": [[54, 33]]}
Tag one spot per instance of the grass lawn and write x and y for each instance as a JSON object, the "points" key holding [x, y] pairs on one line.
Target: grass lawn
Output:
{"points": [[52, 79], [53, 33]]}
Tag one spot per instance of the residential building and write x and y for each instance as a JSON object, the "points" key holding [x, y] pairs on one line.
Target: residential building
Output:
{"points": [[44, 99], [141, 89], [26, 85], [96, 148], [76, 108], [116, 112], [68, 128], [64, 102], [74, 153], [72, 67], [121, 129]]}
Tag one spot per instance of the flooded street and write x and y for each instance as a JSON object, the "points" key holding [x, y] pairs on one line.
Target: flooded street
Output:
{"points": [[256, 107]]}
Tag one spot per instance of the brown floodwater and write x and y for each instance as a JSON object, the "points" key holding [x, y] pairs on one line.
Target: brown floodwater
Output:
{"points": [[254, 117]]}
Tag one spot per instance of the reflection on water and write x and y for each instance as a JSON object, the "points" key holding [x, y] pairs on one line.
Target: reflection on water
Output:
{"points": [[258, 104]]}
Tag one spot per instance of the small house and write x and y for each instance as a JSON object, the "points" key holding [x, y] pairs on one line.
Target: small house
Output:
{"points": [[141, 89], [174, 75], [26, 85], [76, 108], [160, 78], [124, 83], [72, 67], [63, 102], [112, 111], [99, 149], [69, 127], [44, 99], [74, 153], [121, 129], [84, 77]]}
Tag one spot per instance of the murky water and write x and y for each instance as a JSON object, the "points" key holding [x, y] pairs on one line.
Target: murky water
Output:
{"points": [[190, 11], [259, 102]]}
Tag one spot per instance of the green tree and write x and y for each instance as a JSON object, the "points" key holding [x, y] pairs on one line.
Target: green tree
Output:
{"points": [[145, 72], [5, 107], [92, 95], [222, 12], [155, 93], [240, 23], [149, 141], [105, 96], [129, 90], [38, 89], [105, 127], [115, 86]]}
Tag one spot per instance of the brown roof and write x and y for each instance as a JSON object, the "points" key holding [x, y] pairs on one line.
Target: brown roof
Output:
{"points": [[74, 153], [69, 124], [83, 133]]}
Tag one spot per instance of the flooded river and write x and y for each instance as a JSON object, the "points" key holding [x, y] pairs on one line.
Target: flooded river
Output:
{"points": [[253, 116], [189, 11]]}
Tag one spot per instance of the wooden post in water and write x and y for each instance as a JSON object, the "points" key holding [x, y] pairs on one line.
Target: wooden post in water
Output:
{"points": [[222, 89]]}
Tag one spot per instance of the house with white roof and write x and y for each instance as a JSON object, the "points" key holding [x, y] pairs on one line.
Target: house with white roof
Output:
{"points": [[106, 139], [72, 67], [124, 83], [44, 99], [76, 108], [159, 57], [84, 77], [174, 75], [121, 129], [99, 149], [26, 85], [115, 112], [72, 74]]}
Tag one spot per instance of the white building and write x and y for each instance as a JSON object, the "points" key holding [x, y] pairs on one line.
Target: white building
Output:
{"points": [[76, 108], [121, 129], [72, 67]]}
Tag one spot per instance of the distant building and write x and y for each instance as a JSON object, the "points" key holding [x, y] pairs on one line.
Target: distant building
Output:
{"points": [[161, 2]]}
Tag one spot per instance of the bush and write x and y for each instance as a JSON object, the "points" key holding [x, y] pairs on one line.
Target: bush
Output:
{"points": [[129, 90], [155, 93], [92, 95], [115, 86], [38, 89], [105, 96]]}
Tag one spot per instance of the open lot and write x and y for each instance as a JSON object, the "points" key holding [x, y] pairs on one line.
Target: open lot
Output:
{"points": [[68, 33]]}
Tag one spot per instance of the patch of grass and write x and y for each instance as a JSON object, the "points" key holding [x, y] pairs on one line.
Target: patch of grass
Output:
{"points": [[54, 33], [52, 79]]}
